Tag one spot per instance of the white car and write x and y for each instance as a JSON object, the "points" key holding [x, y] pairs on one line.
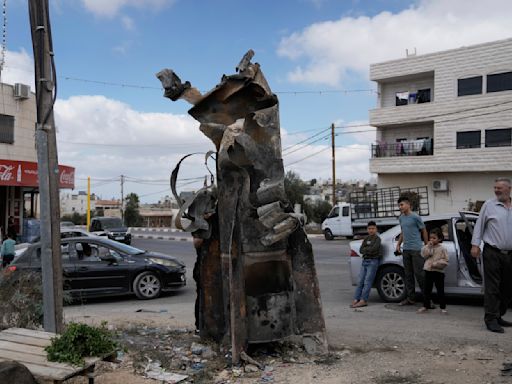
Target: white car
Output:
{"points": [[462, 276], [65, 233]]}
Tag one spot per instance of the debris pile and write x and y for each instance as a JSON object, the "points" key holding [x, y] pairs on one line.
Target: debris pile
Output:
{"points": [[179, 356]]}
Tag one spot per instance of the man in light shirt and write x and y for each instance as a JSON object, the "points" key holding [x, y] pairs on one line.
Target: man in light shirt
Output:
{"points": [[494, 228]]}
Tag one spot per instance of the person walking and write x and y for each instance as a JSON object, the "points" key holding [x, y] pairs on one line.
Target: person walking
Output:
{"points": [[413, 236], [7, 251], [494, 229], [371, 252], [436, 260]]}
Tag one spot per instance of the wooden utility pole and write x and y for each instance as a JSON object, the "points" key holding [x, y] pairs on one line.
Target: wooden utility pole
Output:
{"points": [[48, 168], [333, 166], [122, 198], [88, 222]]}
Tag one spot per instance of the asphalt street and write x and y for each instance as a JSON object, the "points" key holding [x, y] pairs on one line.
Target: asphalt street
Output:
{"points": [[378, 323]]}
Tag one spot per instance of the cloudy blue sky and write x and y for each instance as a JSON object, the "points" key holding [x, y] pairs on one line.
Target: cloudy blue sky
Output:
{"points": [[314, 53]]}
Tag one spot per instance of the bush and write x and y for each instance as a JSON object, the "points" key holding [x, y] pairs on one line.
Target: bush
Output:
{"points": [[21, 300], [79, 341]]}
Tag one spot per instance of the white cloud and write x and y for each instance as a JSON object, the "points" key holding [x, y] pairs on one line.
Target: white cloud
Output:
{"points": [[110, 8], [329, 51], [122, 48], [18, 68], [147, 145], [128, 23]]}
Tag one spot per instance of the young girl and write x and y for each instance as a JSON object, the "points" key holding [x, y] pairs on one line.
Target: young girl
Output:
{"points": [[436, 260]]}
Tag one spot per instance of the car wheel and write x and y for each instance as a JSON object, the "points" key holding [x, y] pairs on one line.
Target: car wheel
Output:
{"points": [[328, 235], [391, 284], [147, 285], [350, 237]]}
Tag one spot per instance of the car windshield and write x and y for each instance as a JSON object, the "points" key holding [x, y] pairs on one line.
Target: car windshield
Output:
{"points": [[112, 223]]}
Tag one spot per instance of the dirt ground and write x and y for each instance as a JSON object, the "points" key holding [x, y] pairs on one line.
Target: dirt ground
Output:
{"points": [[375, 361]]}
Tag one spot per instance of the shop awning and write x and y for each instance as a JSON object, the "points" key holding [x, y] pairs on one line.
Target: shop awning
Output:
{"points": [[24, 174]]}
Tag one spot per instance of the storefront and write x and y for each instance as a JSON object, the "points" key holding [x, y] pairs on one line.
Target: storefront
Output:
{"points": [[19, 191]]}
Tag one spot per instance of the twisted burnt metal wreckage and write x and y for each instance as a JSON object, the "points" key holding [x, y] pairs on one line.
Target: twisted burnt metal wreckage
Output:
{"points": [[256, 274]]}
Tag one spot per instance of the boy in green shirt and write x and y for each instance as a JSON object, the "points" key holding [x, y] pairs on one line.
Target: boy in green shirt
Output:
{"points": [[7, 251]]}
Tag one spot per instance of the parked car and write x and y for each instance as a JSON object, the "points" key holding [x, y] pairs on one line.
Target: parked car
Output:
{"points": [[111, 227], [462, 276], [65, 232], [96, 266], [67, 224]]}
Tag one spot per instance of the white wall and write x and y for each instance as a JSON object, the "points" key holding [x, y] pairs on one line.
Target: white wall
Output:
{"points": [[24, 112], [462, 187]]}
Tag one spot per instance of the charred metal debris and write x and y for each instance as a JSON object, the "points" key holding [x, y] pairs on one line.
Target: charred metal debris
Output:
{"points": [[255, 272]]}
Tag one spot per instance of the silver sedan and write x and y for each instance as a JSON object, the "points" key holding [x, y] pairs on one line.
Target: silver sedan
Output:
{"points": [[462, 276]]}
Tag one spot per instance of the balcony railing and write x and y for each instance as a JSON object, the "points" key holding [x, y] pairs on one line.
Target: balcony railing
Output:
{"points": [[422, 147]]}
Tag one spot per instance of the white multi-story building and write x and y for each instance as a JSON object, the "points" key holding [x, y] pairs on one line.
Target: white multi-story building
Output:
{"points": [[444, 120], [71, 203]]}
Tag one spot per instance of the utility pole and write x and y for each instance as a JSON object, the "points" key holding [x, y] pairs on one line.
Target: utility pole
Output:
{"points": [[88, 202], [48, 168], [333, 166], [122, 198]]}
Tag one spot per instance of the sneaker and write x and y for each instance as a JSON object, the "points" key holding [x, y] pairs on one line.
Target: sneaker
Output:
{"points": [[444, 312], [422, 310], [406, 302]]}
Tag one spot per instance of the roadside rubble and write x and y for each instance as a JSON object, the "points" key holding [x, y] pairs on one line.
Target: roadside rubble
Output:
{"points": [[177, 355]]}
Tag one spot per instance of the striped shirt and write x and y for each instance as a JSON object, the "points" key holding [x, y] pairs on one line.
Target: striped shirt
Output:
{"points": [[494, 226]]}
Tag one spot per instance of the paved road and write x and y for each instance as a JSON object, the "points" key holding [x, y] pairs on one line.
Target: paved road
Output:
{"points": [[377, 323]]}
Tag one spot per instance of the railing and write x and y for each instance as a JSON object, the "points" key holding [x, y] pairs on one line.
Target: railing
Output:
{"points": [[405, 148]]}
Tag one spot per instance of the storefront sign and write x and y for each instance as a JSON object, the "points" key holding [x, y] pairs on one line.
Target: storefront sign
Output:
{"points": [[24, 174]]}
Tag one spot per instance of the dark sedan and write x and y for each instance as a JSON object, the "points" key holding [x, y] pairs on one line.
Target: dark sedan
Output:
{"points": [[96, 266]]}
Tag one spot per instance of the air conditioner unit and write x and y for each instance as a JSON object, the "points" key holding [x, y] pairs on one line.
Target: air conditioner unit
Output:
{"points": [[439, 185], [21, 91]]}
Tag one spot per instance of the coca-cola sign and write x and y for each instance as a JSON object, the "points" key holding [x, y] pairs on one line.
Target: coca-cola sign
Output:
{"points": [[6, 172], [24, 174]]}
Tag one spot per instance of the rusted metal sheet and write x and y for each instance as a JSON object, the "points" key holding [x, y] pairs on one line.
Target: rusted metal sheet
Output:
{"points": [[269, 287]]}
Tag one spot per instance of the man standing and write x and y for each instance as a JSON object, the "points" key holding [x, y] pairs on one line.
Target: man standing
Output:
{"points": [[494, 228], [413, 236]]}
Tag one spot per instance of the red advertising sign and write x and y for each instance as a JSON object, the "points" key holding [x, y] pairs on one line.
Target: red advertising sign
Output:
{"points": [[24, 174]]}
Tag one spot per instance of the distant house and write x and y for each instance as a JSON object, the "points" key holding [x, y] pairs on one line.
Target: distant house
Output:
{"points": [[443, 120], [71, 203], [108, 208]]}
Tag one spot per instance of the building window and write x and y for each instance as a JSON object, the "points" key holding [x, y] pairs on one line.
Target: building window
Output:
{"points": [[469, 139], [498, 137], [401, 98], [499, 82], [470, 86], [423, 96], [6, 129]]}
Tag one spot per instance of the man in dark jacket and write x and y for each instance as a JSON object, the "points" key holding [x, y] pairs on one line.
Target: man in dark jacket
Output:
{"points": [[371, 252]]}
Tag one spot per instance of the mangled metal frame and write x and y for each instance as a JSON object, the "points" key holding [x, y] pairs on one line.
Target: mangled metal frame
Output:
{"points": [[256, 275]]}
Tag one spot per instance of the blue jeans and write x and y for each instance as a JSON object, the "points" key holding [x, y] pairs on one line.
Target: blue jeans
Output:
{"points": [[366, 276]]}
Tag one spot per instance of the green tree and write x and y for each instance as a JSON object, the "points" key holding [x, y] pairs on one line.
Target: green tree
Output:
{"points": [[132, 217], [76, 218], [295, 188], [317, 211]]}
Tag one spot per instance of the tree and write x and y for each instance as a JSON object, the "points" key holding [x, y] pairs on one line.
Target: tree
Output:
{"points": [[295, 188], [76, 218], [132, 217], [317, 211]]}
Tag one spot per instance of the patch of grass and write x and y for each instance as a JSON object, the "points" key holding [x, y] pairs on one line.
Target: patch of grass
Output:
{"points": [[21, 303]]}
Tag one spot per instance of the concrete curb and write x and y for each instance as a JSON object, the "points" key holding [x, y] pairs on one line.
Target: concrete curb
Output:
{"points": [[158, 237], [145, 229]]}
